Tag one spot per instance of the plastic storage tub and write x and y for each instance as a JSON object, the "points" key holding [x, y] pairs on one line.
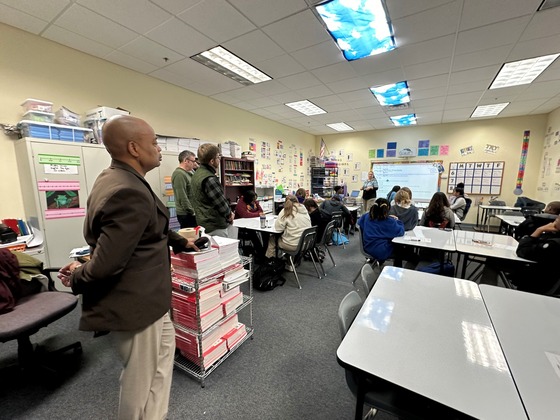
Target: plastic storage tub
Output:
{"points": [[31, 104], [47, 117], [52, 131]]}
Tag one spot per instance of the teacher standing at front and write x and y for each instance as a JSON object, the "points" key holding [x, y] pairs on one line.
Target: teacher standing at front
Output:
{"points": [[369, 191]]}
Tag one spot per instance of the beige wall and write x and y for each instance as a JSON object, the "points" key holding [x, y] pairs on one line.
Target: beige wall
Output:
{"points": [[32, 67], [506, 133]]}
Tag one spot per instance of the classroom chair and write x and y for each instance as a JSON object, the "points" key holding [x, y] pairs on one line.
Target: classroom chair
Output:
{"points": [[305, 246]]}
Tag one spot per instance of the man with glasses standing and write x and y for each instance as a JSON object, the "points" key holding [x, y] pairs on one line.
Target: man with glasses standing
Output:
{"points": [[181, 181], [211, 206]]}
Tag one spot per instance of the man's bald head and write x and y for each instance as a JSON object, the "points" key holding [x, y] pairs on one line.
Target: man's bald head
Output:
{"points": [[118, 131], [132, 141]]}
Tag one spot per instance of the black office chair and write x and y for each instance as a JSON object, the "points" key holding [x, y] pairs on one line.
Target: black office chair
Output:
{"points": [[305, 246], [32, 313]]}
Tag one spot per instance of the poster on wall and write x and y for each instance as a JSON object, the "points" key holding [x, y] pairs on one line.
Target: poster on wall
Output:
{"points": [[62, 199], [478, 177]]}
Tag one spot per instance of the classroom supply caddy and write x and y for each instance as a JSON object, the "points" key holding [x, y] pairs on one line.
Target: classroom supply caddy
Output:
{"points": [[207, 311]]}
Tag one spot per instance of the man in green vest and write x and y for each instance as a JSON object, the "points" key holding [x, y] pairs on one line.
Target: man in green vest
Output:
{"points": [[208, 199]]}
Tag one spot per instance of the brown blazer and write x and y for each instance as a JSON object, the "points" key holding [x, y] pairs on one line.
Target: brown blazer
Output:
{"points": [[126, 285]]}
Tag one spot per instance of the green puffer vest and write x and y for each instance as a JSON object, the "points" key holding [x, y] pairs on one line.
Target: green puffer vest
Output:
{"points": [[206, 214]]}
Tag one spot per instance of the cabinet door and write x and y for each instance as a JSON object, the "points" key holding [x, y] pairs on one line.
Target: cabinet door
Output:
{"points": [[96, 159], [63, 231]]}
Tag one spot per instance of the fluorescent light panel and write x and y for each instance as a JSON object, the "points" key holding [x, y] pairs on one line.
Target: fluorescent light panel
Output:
{"points": [[341, 126], [306, 107], [488, 110], [522, 72], [360, 28], [393, 94], [230, 65], [402, 120]]}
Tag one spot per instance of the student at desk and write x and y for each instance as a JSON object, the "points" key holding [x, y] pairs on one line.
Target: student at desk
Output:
{"points": [[247, 207], [379, 229], [459, 203], [405, 211], [531, 223], [438, 214]]}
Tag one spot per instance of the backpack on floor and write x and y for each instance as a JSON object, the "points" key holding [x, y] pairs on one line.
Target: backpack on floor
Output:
{"points": [[436, 268], [339, 239], [269, 274]]}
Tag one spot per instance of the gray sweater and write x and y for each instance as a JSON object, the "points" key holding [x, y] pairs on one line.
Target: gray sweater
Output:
{"points": [[409, 216]]}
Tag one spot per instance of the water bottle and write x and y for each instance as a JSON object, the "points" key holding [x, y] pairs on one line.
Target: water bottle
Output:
{"points": [[263, 220]]}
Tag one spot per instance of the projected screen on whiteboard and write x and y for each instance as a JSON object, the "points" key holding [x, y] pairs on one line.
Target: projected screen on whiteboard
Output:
{"points": [[422, 178]]}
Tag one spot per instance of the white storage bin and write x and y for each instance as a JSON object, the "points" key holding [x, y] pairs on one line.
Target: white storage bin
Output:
{"points": [[31, 104], [47, 117], [104, 112]]}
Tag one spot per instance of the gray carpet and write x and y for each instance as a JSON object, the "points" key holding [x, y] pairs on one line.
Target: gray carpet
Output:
{"points": [[287, 371]]}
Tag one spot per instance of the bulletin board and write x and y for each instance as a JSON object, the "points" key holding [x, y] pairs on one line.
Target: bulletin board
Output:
{"points": [[478, 177]]}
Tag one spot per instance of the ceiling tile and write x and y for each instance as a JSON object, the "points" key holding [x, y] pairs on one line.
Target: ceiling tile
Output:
{"points": [[298, 31], [478, 13], [535, 48], [178, 36], [254, 47], [44, 10], [138, 15], [281, 66], [320, 55], [262, 13], [21, 20], [481, 58], [125, 60], [418, 71], [300, 80], [217, 19], [78, 42], [84, 22], [402, 8], [430, 50], [543, 24], [151, 52], [432, 23], [335, 72], [176, 6]]}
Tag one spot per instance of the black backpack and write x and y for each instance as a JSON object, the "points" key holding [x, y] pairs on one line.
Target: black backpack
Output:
{"points": [[269, 274]]}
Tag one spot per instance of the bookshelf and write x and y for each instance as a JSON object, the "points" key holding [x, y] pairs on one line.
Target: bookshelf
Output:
{"points": [[324, 178], [237, 175], [203, 338]]}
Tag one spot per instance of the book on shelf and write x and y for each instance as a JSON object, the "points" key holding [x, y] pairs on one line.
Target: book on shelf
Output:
{"points": [[232, 303], [235, 335], [194, 257], [212, 355], [189, 342], [224, 244], [207, 319], [226, 294], [199, 274], [189, 304]]}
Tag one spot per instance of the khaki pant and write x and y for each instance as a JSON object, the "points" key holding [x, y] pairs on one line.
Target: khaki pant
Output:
{"points": [[147, 356], [368, 204]]}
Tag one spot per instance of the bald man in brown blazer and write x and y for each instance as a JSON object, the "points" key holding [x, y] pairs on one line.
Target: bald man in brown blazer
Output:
{"points": [[126, 284]]}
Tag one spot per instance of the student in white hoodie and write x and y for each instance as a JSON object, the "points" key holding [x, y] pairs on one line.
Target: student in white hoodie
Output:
{"points": [[292, 220]]}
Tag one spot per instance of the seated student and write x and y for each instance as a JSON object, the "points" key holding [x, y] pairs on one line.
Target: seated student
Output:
{"points": [[532, 222], [318, 218], [248, 206], [378, 230], [328, 207], [409, 191], [459, 203], [543, 247], [339, 191], [438, 214], [300, 195], [392, 193], [404, 210], [292, 221]]}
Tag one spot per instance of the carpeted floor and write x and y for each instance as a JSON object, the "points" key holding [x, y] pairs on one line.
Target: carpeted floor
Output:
{"points": [[287, 371]]}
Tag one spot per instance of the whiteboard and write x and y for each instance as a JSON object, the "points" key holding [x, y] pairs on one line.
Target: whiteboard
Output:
{"points": [[423, 178]]}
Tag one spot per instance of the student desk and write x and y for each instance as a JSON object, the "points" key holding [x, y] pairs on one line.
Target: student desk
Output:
{"points": [[254, 223], [509, 223], [432, 335], [484, 211], [527, 327], [426, 237], [480, 244]]}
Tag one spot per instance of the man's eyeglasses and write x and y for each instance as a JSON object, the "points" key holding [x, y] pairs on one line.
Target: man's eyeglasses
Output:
{"points": [[192, 160]]}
